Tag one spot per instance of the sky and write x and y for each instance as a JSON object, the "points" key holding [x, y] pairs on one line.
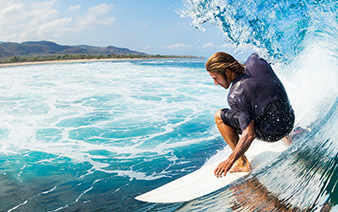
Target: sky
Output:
{"points": [[150, 26]]}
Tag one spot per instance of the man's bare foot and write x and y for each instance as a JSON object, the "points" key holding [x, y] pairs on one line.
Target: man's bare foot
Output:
{"points": [[295, 134], [240, 166], [287, 139]]}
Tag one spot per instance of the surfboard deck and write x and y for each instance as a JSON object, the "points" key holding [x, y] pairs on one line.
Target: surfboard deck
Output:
{"points": [[203, 181]]}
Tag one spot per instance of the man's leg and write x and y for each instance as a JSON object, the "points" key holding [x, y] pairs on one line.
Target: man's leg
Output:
{"points": [[231, 138]]}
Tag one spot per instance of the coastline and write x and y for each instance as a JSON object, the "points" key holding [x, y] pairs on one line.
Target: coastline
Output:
{"points": [[75, 61]]}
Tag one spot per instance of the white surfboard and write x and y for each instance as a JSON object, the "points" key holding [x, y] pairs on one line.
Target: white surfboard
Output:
{"points": [[203, 181]]}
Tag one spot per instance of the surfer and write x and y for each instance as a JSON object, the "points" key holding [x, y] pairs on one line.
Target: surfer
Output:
{"points": [[259, 107]]}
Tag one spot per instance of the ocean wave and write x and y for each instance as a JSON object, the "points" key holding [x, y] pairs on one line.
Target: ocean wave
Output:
{"points": [[275, 29]]}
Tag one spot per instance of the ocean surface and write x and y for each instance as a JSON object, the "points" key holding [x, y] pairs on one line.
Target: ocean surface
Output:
{"points": [[92, 136]]}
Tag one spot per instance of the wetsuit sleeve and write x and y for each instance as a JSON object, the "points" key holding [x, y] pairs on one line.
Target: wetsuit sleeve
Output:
{"points": [[242, 109]]}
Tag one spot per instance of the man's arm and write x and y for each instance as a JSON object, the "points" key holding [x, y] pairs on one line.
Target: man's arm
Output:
{"points": [[242, 146]]}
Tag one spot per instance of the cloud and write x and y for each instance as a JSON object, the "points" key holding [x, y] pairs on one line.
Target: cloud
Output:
{"points": [[93, 17], [74, 7], [209, 45], [228, 45], [147, 47], [41, 20], [101, 9], [176, 46], [51, 27]]}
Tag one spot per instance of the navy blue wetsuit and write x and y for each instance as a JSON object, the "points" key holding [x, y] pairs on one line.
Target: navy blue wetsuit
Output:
{"points": [[259, 95]]}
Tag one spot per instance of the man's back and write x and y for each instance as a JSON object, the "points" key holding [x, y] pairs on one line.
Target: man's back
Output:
{"points": [[252, 92]]}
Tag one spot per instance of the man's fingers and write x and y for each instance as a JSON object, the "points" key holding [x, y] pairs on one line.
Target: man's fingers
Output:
{"points": [[222, 173], [219, 172], [215, 171], [221, 169]]}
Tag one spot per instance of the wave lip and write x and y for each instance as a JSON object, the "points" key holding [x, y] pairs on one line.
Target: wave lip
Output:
{"points": [[275, 29]]}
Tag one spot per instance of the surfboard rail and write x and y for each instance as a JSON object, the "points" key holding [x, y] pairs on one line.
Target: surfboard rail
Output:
{"points": [[203, 181]]}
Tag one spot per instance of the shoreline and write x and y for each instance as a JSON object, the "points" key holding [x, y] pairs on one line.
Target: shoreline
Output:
{"points": [[78, 61]]}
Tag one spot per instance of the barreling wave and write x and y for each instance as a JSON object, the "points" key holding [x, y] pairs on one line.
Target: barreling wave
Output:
{"points": [[277, 28], [300, 38]]}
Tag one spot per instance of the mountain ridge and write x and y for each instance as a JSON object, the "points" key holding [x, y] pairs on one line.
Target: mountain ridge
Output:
{"points": [[32, 48]]}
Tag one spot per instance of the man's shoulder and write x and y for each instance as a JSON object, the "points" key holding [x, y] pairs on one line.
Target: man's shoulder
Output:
{"points": [[237, 89], [252, 58], [257, 66]]}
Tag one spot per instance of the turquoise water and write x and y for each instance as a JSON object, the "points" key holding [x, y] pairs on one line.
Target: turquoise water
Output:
{"points": [[92, 136], [88, 136]]}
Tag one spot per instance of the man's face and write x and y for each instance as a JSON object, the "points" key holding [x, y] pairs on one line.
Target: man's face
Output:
{"points": [[219, 80]]}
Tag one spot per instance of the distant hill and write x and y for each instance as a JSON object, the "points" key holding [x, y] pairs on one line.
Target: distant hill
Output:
{"points": [[32, 48]]}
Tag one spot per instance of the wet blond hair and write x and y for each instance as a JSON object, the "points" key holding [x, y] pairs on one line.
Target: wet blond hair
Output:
{"points": [[221, 61]]}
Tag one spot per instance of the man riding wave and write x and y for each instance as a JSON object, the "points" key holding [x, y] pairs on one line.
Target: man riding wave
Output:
{"points": [[259, 107]]}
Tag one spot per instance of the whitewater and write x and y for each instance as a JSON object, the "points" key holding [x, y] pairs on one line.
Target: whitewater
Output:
{"points": [[91, 136]]}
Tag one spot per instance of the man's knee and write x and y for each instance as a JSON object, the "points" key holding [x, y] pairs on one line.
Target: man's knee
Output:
{"points": [[218, 117]]}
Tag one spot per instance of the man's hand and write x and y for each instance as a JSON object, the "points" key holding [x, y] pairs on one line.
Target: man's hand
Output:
{"points": [[223, 168], [243, 144]]}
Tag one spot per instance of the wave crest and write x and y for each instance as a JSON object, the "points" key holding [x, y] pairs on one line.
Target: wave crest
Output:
{"points": [[275, 29]]}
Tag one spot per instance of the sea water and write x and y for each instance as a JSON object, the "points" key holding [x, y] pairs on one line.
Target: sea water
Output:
{"points": [[91, 136], [87, 136]]}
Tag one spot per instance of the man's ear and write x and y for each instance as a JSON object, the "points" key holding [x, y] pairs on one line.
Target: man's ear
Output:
{"points": [[228, 72]]}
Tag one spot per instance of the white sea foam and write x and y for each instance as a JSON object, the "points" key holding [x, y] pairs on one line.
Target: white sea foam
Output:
{"points": [[311, 81], [16, 207], [96, 112], [48, 191]]}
